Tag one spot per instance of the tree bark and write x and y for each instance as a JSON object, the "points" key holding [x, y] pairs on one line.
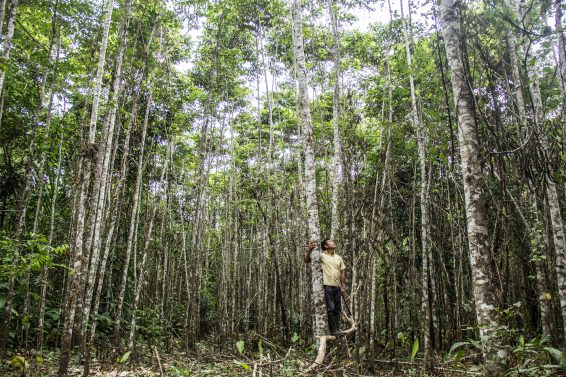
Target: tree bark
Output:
{"points": [[337, 158], [320, 324], [474, 191]]}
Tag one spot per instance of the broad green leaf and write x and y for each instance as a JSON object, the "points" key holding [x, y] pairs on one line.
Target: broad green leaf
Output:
{"points": [[18, 361], [240, 346], [124, 357], [259, 347], [415, 348], [457, 345], [295, 338], [458, 356]]}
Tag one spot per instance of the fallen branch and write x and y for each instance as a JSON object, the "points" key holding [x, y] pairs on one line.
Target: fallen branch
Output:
{"points": [[158, 361], [326, 338]]}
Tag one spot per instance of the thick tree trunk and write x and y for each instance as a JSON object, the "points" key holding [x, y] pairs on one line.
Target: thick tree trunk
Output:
{"points": [[474, 191], [320, 324]]}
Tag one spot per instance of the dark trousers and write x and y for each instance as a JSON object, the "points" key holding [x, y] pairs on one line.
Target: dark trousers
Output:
{"points": [[333, 307]]}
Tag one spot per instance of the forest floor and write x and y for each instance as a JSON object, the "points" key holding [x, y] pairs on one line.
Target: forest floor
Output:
{"points": [[209, 362], [178, 365]]}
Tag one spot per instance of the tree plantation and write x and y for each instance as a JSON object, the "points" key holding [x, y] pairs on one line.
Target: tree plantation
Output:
{"points": [[167, 167]]}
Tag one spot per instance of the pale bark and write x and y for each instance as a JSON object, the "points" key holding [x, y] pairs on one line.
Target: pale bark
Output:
{"points": [[6, 42], [132, 229], [337, 158], [320, 324], [551, 192], [102, 178], [138, 285], [474, 190], [74, 281], [424, 191], [559, 21]]}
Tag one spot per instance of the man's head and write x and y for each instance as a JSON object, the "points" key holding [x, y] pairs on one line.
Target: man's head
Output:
{"points": [[327, 244]]}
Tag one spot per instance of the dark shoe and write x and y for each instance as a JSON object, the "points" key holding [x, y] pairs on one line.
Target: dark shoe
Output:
{"points": [[337, 332]]}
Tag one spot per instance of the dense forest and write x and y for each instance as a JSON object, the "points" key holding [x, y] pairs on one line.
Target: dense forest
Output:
{"points": [[164, 165]]}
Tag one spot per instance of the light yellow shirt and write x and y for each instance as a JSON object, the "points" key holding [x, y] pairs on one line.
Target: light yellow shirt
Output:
{"points": [[331, 267]]}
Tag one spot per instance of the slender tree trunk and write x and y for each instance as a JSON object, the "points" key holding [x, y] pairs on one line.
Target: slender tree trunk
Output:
{"points": [[74, 281], [102, 178], [7, 38], [132, 229], [320, 324], [558, 16], [337, 158], [138, 285], [454, 39], [424, 193]]}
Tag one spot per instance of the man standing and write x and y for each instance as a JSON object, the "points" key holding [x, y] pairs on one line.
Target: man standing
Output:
{"points": [[333, 277]]}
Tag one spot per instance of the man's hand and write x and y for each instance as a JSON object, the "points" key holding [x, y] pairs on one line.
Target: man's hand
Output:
{"points": [[343, 292], [310, 247]]}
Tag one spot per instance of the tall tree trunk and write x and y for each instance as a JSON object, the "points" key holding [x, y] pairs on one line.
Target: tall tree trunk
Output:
{"points": [[7, 38], [101, 177], [337, 158], [74, 281], [132, 230], [320, 324], [474, 192], [138, 285], [558, 16], [424, 192]]}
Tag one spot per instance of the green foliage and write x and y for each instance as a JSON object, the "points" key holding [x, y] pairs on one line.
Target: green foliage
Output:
{"points": [[240, 346], [122, 359], [295, 338], [535, 358], [415, 348], [28, 255], [260, 347], [19, 362]]}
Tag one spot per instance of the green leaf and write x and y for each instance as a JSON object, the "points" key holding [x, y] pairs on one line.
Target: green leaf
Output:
{"points": [[458, 356], [555, 353], [124, 357], [242, 364], [522, 341], [240, 346], [295, 338], [18, 361], [457, 345], [415, 348], [401, 336], [259, 347], [3, 300]]}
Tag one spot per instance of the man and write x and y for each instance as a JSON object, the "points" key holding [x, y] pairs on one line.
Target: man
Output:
{"points": [[333, 277]]}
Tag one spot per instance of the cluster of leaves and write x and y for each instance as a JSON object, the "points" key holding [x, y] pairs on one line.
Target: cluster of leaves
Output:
{"points": [[529, 358], [27, 255]]}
